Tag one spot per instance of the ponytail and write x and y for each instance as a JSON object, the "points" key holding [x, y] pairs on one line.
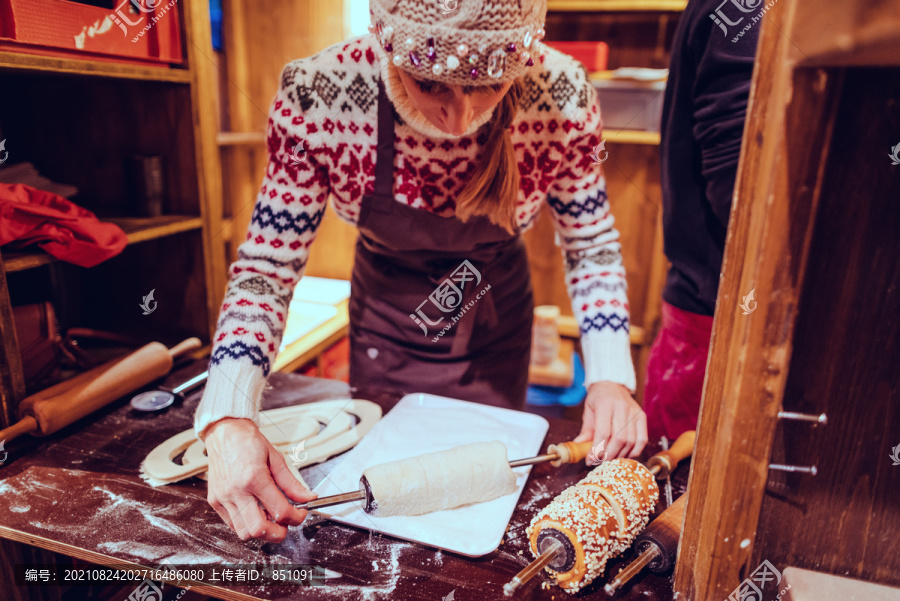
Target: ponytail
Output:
{"points": [[493, 190]]}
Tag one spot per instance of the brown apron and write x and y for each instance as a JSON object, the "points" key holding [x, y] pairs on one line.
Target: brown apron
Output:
{"points": [[436, 305]]}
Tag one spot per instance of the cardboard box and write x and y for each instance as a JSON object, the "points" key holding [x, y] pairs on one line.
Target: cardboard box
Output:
{"points": [[150, 35]]}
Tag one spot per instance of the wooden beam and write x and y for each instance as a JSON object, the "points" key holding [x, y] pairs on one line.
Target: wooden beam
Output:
{"points": [[241, 138], [786, 138], [29, 63], [204, 90], [12, 381]]}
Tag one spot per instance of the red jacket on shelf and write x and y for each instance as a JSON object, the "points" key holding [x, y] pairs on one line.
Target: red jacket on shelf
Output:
{"points": [[60, 227]]}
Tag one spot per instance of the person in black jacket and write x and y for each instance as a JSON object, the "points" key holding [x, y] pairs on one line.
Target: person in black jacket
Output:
{"points": [[703, 121]]}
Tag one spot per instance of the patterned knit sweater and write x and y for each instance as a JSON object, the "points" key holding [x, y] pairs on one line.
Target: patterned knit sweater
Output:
{"points": [[322, 136]]}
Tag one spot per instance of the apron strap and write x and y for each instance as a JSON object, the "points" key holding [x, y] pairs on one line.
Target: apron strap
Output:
{"points": [[384, 165]]}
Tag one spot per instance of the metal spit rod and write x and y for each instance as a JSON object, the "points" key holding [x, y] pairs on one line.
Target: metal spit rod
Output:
{"points": [[551, 549], [632, 569]]}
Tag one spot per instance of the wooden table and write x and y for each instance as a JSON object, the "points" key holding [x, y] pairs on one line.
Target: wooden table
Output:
{"points": [[79, 493]]}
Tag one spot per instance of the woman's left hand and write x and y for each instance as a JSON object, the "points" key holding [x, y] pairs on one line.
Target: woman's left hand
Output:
{"points": [[614, 421]]}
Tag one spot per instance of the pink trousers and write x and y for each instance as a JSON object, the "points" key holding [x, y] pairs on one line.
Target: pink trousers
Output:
{"points": [[675, 371]]}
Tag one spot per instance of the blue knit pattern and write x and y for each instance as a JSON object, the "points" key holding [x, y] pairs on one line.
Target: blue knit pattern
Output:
{"points": [[576, 208], [600, 321], [282, 221], [237, 350]]}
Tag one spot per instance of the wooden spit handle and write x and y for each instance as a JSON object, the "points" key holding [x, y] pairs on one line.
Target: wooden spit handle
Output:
{"points": [[657, 546], [665, 532], [666, 461], [570, 452], [56, 407]]}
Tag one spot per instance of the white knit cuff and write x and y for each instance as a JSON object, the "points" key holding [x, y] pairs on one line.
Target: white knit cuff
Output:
{"points": [[607, 356], [234, 389]]}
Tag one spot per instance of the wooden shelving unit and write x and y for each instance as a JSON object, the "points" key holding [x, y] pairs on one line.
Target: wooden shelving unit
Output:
{"points": [[631, 136], [33, 63], [138, 229], [617, 5], [79, 121]]}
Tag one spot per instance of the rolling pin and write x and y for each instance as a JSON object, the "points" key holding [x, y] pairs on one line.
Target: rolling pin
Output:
{"points": [[657, 546], [56, 407]]}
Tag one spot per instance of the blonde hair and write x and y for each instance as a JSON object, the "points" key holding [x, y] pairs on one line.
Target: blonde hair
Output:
{"points": [[493, 189]]}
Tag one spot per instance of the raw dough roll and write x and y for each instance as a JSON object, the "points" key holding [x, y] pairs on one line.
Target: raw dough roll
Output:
{"points": [[471, 473], [600, 516]]}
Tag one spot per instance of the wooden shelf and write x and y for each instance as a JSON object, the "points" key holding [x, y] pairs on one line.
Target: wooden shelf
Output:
{"points": [[16, 61], [238, 138], [631, 136], [617, 5], [138, 229], [299, 353]]}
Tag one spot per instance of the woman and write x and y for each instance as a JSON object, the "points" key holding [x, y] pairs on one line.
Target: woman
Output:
{"points": [[439, 137]]}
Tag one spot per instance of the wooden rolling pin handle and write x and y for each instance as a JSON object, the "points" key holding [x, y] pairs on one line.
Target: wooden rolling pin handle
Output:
{"points": [[26, 425], [61, 405], [664, 532], [570, 452], [667, 461], [184, 347]]}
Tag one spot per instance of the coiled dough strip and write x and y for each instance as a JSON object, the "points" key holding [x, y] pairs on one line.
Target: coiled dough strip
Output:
{"points": [[471, 473]]}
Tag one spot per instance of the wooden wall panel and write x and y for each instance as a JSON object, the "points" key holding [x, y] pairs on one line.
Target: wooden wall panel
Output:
{"points": [[846, 520], [332, 254], [260, 37], [138, 118]]}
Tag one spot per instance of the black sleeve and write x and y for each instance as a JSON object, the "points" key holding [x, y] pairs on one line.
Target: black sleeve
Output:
{"points": [[720, 94]]}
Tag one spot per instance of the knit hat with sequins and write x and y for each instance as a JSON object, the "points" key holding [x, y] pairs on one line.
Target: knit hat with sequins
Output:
{"points": [[461, 42]]}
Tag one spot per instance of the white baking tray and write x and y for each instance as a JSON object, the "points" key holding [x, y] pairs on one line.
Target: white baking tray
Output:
{"points": [[422, 423]]}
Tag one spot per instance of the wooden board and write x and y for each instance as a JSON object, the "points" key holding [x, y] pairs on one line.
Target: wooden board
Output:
{"points": [[845, 360], [208, 164], [560, 373], [138, 229], [14, 61], [260, 38]]}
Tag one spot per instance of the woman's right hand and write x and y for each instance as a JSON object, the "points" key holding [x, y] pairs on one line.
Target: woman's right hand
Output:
{"points": [[250, 482]]}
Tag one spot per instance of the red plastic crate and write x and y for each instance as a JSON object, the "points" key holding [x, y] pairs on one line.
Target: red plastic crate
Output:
{"points": [[73, 30], [593, 55]]}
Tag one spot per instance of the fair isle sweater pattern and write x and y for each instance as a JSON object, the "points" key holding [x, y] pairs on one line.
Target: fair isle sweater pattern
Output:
{"points": [[322, 143]]}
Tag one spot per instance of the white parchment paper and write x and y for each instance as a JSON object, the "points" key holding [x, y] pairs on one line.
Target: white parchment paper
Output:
{"points": [[423, 423]]}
